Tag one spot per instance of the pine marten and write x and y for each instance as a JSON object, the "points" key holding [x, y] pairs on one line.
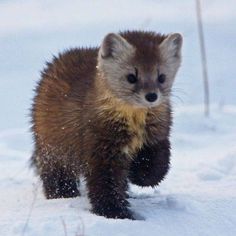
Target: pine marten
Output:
{"points": [[105, 113]]}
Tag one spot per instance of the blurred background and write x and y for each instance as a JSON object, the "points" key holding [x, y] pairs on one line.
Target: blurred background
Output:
{"points": [[32, 31], [198, 196]]}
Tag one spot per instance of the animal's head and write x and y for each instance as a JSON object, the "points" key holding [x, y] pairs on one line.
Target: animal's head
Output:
{"points": [[140, 67]]}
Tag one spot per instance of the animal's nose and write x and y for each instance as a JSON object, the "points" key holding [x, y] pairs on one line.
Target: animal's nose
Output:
{"points": [[151, 97]]}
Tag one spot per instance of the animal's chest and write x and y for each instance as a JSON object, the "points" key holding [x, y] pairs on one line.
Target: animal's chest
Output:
{"points": [[130, 128], [136, 128], [147, 128]]}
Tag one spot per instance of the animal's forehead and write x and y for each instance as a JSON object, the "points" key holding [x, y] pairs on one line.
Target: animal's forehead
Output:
{"points": [[146, 57], [146, 46]]}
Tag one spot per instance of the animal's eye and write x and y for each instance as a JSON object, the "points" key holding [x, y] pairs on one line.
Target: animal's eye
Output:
{"points": [[161, 78], [132, 78]]}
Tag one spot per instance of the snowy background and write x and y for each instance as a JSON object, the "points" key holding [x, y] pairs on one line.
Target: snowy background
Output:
{"points": [[199, 195]]}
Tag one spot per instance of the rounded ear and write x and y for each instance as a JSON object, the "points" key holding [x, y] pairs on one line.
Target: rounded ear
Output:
{"points": [[171, 46], [114, 45]]}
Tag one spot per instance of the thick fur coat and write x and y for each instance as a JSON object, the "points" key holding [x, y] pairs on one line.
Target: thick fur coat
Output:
{"points": [[87, 119]]}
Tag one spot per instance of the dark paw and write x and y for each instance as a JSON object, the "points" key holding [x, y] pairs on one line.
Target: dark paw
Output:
{"points": [[148, 178], [114, 212], [62, 194], [69, 193], [65, 189]]}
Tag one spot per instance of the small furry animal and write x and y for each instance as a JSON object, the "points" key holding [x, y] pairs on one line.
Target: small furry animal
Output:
{"points": [[105, 113]]}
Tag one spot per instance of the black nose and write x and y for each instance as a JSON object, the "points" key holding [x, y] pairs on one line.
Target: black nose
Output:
{"points": [[151, 97]]}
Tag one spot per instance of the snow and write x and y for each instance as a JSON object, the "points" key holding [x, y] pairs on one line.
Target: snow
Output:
{"points": [[198, 197]]}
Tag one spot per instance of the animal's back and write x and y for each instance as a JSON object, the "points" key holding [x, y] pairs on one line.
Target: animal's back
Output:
{"points": [[59, 102], [73, 70]]}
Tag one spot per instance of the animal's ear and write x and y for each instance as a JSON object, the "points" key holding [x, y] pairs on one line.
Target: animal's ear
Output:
{"points": [[113, 46], [171, 46]]}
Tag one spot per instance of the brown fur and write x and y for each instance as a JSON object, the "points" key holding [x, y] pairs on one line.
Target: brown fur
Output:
{"points": [[81, 127]]}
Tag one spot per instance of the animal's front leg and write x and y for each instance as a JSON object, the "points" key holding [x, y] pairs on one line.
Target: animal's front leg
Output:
{"points": [[107, 184], [151, 164]]}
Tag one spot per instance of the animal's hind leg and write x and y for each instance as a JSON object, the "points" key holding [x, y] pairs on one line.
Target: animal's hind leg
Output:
{"points": [[57, 183]]}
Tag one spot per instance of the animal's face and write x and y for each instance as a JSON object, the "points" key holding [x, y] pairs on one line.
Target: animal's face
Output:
{"points": [[140, 74]]}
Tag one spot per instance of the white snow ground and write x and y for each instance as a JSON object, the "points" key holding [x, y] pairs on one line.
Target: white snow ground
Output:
{"points": [[199, 195], [197, 198]]}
